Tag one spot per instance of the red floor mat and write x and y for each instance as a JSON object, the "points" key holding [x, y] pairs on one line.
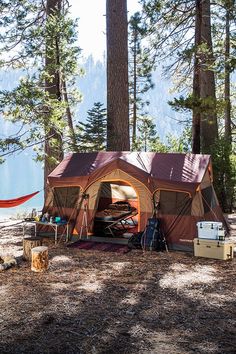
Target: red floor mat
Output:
{"points": [[100, 246]]}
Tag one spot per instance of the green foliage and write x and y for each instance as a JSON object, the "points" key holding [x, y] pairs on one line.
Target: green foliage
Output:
{"points": [[147, 134], [156, 145], [220, 11], [170, 29], [60, 33], [92, 134], [21, 24], [140, 63], [140, 70], [180, 144], [7, 144], [28, 37], [224, 167], [201, 105], [171, 37], [148, 140]]}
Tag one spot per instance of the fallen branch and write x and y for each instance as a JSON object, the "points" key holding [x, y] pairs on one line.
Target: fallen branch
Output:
{"points": [[7, 262]]}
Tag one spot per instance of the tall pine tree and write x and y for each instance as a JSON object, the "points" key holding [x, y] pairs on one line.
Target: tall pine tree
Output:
{"points": [[147, 134], [140, 71], [41, 42], [92, 134]]}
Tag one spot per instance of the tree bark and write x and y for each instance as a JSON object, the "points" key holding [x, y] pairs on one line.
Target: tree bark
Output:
{"points": [[134, 133], [209, 127], [196, 118], [53, 91], [74, 144], [117, 76], [39, 260], [28, 244], [228, 133]]}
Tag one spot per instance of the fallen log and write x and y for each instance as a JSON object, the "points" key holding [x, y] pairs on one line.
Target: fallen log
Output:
{"points": [[7, 262], [28, 244], [39, 259]]}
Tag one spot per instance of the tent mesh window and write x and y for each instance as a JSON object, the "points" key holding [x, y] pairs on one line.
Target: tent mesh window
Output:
{"points": [[174, 203], [65, 197], [208, 198]]}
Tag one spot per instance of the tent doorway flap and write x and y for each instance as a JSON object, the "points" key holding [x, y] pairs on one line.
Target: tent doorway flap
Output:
{"points": [[117, 209]]}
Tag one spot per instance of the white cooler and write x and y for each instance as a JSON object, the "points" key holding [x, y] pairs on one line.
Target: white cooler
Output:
{"points": [[212, 230]]}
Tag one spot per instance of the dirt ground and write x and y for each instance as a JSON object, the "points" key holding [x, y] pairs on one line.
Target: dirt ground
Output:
{"points": [[104, 302]]}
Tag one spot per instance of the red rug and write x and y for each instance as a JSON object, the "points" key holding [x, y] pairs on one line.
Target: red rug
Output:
{"points": [[100, 246]]}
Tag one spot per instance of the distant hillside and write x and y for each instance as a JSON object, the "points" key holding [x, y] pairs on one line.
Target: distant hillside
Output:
{"points": [[93, 88]]}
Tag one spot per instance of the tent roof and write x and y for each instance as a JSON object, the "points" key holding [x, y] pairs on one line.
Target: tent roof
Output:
{"points": [[172, 168]]}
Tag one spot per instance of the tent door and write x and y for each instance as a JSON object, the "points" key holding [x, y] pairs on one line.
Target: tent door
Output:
{"points": [[117, 209]]}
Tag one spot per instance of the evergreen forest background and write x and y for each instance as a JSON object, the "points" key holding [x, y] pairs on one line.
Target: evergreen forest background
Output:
{"points": [[169, 108]]}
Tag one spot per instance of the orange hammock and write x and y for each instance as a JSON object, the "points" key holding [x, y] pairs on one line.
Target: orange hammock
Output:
{"points": [[15, 202]]}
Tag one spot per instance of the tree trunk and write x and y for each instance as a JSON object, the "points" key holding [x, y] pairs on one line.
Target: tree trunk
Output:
{"points": [[39, 260], [53, 144], [135, 90], [73, 143], [209, 127], [117, 76], [196, 118], [228, 136], [28, 244]]}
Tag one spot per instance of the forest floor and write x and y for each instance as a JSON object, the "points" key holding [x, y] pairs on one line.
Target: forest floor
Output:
{"points": [[105, 302]]}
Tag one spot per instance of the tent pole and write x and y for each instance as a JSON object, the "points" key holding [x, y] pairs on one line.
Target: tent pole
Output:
{"points": [[84, 224]]}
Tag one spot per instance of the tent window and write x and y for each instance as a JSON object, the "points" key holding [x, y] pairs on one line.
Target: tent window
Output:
{"points": [[117, 191], [66, 197], [208, 198], [174, 203]]}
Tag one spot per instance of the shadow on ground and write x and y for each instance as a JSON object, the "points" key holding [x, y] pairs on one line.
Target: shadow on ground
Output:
{"points": [[96, 302]]}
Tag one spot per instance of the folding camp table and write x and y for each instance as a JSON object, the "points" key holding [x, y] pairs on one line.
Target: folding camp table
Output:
{"points": [[54, 226]]}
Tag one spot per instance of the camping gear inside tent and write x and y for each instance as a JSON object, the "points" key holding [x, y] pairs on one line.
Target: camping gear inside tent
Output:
{"points": [[177, 188], [117, 209]]}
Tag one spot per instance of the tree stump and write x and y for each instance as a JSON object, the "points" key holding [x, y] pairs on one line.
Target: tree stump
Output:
{"points": [[28, 244], [39, 260]]}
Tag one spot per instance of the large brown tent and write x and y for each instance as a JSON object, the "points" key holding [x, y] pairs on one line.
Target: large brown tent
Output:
{"points": [[179, 184]]}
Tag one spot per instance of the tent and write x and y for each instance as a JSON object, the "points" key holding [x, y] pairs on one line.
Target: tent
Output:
{"points": [[176, 186]]}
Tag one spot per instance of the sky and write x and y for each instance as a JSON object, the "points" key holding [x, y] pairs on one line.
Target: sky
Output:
{"points": [[92, 24]]}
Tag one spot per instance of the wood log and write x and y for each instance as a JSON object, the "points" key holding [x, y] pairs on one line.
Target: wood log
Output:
{"points": [[7, 262], [39, 259], [28, 244]]}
